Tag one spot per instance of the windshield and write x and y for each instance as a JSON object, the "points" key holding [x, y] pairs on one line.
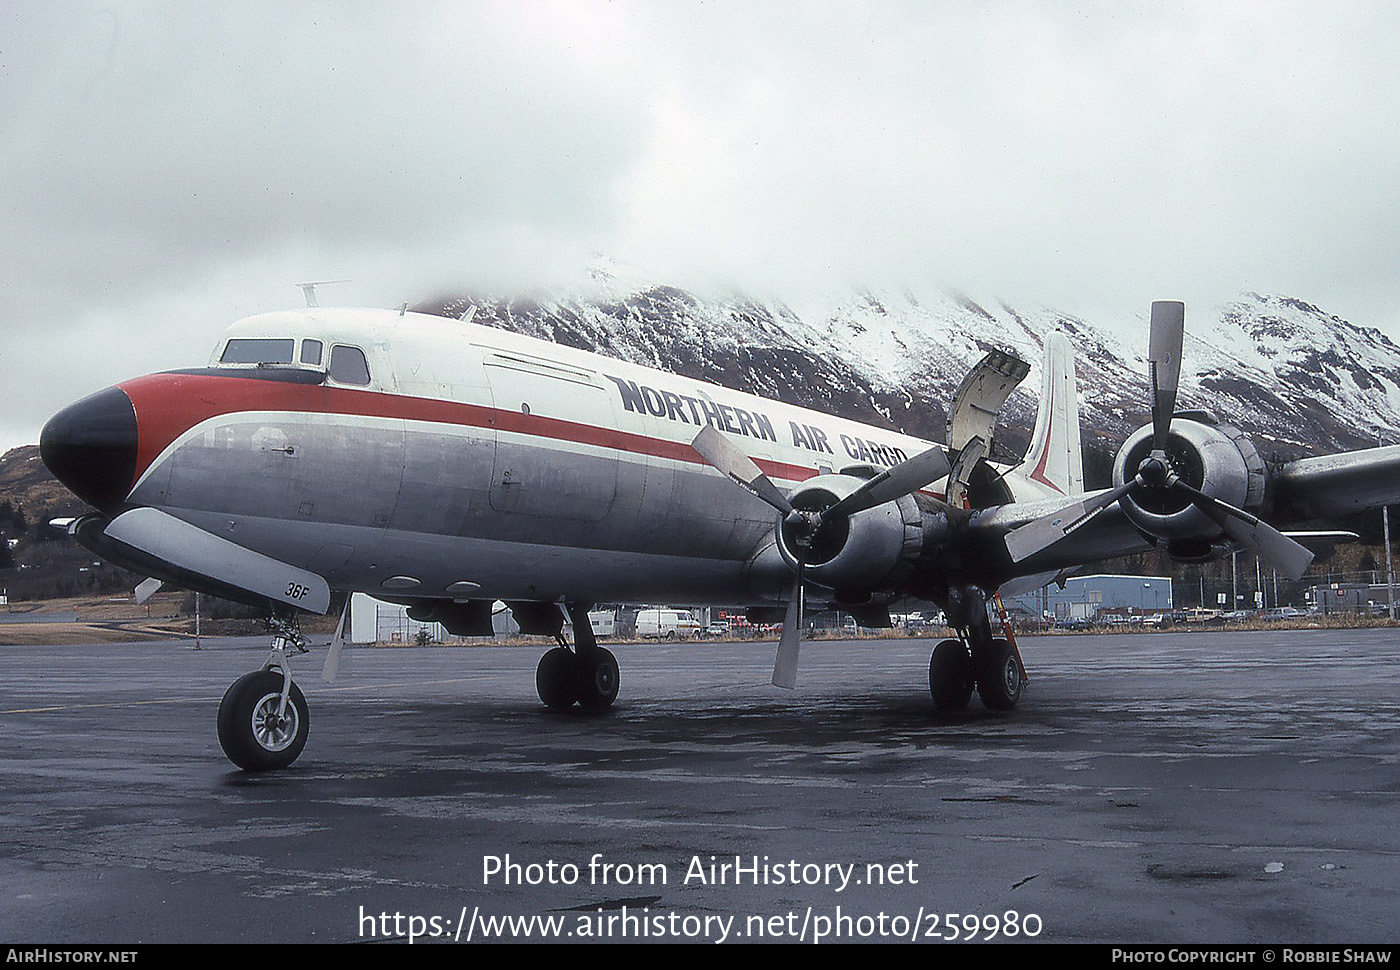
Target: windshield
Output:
{"points": [[258, 351]]}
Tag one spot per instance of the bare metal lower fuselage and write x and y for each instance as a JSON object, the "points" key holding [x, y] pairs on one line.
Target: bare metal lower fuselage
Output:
{"points": [[414, 509]]}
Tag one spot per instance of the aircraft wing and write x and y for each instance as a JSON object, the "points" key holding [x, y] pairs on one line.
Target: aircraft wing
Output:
{"points": [[1187, 481], [1107, 535], [1314, 488], [1297, 491]]}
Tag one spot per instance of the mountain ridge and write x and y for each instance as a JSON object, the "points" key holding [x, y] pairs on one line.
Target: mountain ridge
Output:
{"points": [[1297, 379]]}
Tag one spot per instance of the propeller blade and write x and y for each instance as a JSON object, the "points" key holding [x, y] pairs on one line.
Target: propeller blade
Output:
{"points": [[1164, 365], [1254, 534], [1044, 532], [903, 479], [785, 665], [724, 455], [331, 669], [147, 588]]}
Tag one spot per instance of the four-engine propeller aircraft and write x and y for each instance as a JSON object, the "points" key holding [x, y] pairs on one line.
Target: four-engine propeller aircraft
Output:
{"points": [[446, 465]]}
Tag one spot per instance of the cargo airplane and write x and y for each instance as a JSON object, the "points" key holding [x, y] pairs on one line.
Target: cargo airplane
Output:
{"points": [[445, 465]]}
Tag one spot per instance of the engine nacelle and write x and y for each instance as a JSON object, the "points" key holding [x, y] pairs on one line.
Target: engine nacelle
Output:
{"points": [[869, 550], [1213, 457]]}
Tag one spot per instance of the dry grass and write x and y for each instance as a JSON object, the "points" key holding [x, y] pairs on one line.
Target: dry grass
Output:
{"points": [[120, 619]]}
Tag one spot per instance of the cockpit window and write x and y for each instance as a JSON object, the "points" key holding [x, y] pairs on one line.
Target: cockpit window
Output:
{"points": [[348, 365], [311, 352], [258, 351]]}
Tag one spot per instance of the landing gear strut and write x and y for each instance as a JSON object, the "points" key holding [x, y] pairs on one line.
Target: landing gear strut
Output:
{"points": [[263, 719], [978, 659], [588, 675]]}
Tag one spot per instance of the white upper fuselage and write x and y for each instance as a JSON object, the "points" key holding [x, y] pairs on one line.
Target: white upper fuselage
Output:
{"points": [[470, 459]]}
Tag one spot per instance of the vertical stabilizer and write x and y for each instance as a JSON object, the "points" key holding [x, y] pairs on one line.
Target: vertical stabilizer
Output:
{"points": [[1055, 458]]}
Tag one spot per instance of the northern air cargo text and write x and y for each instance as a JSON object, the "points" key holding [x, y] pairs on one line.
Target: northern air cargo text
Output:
{"points": [[687, 409]]}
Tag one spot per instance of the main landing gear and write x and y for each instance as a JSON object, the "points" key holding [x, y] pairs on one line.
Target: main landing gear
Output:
{"points": [[976, 660], [263, 719], [587, 675]]}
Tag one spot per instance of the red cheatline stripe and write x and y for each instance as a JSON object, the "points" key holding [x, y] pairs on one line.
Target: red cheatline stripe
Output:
{"points": [[168, 405], [1039, 473]]}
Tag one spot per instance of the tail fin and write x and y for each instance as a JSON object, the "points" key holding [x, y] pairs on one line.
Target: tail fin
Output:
{"points": [[1055, 458]]}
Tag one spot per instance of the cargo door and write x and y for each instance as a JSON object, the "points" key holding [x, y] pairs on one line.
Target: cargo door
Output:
{"points": [[554, 446]]}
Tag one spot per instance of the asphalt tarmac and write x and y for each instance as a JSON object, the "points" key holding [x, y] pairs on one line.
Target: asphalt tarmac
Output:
{"points": [[1150, 788]]}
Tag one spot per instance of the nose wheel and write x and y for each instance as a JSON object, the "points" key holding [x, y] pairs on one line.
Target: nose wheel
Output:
{"points": [[263, 719], [257, 730]]}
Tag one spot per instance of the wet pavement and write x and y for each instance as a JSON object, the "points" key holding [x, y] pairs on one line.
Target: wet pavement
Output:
{"points": [[1150, 788]]}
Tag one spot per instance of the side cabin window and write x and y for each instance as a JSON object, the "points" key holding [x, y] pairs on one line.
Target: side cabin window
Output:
{"points": [[348, 366], [248, 350]]}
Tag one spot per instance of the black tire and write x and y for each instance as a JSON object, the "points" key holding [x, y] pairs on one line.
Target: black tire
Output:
{"points": [[554, 678], [251, 733], [999, 680], [950, 676], [597, 679]]}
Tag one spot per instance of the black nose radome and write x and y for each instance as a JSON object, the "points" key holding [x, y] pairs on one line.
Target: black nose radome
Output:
{"points": [[91, 447]]}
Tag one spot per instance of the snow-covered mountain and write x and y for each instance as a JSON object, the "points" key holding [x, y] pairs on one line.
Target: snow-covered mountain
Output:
{"points": [[1298, 379]]}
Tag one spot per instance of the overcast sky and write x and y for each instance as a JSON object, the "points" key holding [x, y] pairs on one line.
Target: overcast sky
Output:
{"points": [[166, 168]]}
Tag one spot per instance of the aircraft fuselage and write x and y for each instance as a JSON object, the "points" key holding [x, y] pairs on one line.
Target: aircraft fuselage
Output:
{"points": [[416, 456]]}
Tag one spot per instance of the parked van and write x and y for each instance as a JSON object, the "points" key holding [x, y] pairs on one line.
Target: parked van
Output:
{"points": [[667, 624]]}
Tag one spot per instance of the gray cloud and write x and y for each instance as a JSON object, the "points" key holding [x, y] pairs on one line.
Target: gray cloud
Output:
{"points": [[169, 167]]}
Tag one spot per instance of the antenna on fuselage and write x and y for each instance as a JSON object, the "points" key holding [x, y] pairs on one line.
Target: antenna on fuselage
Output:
{"points": [[309, 290]]}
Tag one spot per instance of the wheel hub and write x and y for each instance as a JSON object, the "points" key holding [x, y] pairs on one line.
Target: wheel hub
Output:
{"points": [[274, 731], [1012, 673]]}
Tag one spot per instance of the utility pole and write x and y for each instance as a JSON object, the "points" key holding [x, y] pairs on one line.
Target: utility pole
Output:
{"points": [[1234, 583], [1389, 563]]}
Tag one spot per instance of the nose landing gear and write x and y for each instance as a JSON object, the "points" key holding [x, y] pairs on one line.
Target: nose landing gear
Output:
{"points": [[263, 719]]}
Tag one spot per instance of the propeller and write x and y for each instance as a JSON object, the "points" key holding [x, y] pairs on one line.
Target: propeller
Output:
{"points": [[331, 669], [806, 525], [1155, 473]]}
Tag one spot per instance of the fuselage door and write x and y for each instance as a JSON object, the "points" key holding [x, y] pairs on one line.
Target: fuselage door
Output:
{"points": [[554, 457]]}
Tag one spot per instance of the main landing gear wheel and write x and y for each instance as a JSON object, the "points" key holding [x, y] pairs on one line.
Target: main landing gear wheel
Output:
{"points": [[590, 678], [596, 678], [950, 678], [999, 679], [554, 678], [252, 732]]}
